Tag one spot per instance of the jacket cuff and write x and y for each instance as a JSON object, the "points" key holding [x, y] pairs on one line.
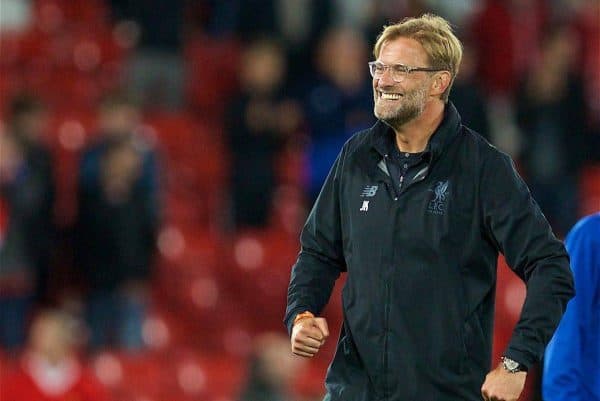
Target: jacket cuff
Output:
{"points": [[524, 358]]}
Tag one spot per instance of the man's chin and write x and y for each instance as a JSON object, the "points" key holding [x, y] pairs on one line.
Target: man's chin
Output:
{"points": [[385, 115], [396, 120]]}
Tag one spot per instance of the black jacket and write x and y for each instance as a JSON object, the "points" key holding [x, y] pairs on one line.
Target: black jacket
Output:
{"points": [[419, 297]]}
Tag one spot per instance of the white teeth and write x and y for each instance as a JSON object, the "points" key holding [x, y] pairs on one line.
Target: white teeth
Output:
{"points": [[392, 96]]}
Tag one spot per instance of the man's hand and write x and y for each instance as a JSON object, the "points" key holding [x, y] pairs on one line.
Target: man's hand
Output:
{"points": [[501, 385], [308, 335]]}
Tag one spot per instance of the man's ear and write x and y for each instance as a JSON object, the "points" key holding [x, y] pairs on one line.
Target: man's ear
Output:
{"points": [[440, 83]]}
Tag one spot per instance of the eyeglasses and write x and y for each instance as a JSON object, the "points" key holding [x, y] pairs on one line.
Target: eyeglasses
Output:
{"points": [[398, 71]]}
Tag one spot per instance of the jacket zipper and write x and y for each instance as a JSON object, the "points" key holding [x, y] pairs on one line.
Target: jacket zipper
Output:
{"points": [[398, 191], [386, 325], [411, 183]]}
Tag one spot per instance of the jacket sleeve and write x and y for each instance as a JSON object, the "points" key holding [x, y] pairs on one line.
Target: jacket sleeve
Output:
{"points": [[321, 259], [563, 370], [515, 224]]}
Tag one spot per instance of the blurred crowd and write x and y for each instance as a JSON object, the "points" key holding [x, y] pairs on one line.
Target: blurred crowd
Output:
{"points": [[277, 86]]}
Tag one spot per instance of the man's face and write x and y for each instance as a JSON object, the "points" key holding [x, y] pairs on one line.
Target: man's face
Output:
{"points": [[119, 120], [50, 338], [397, 103]]}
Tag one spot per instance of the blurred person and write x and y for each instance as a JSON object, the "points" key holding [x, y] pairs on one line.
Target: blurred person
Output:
{"points": [[457, 11], [586, 24], [155, 73], [297, 24], [572, 359], [116, 228], [416, 210], [505, 35], [271, 369], [336, 101], [551, 114], [468, 96], [49, 369], [26, 124], [301, 24], [119, 117], [18, 189], [258, 122], [245, 18], [354, 13]]}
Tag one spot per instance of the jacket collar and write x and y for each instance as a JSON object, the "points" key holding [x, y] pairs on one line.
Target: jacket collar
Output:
{"points": [[441, 138]]}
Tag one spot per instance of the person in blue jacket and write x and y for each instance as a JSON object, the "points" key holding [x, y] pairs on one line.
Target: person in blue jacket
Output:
{"points": [[572, 360]]}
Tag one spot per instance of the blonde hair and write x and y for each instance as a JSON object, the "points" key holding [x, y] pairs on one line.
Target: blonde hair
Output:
{"points": [[444, 50]]}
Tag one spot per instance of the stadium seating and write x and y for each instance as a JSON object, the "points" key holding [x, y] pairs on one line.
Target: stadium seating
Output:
{"points": [[213, 291], [212, 74]]}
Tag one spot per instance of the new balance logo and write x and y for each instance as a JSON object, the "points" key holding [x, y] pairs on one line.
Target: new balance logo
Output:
{"points": [[369, 191], [365, 206]]}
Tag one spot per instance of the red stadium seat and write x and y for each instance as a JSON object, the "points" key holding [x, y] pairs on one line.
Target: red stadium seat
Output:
{"points": [[225, 377], [56, 14], [192, 375], [187, 140], [31, 47], [510, 294], [10, 84], [257, 270], [143, 375], [11, 49], [95, 51], [291, 166], [211, 74], [196, 166], [7, 365], [289, 210]]}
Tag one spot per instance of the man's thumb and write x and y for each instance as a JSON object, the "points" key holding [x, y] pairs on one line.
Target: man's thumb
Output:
{"points": [[321, 323]]}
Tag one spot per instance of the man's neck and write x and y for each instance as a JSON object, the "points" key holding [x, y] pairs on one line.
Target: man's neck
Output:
{"points": [[413, 136]]}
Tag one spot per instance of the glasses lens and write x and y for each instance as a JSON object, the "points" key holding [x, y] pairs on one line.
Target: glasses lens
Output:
{"points": [[376, 69], [399, 72], [372, 69]]}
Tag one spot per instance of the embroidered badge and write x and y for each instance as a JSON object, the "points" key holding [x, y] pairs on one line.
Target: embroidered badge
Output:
{"points": [[438, 204]]}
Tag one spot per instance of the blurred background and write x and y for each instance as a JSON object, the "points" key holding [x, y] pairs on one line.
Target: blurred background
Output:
{"points": [[158, 158]]}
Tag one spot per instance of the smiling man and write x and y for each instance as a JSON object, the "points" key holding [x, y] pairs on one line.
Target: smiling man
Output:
{"points": [[416, 210]]}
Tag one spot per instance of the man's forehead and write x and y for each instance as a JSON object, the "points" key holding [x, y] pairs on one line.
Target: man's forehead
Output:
{"points": [[402, 50]]}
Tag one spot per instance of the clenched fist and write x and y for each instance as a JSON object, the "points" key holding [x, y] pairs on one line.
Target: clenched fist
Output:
{"points": [[308, 335], [501, 385]]}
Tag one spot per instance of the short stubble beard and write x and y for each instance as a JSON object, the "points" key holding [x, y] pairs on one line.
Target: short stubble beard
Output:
{"points": [[411, 106]]}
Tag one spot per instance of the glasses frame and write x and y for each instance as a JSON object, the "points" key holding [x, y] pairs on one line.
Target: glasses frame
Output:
{"points": [[404, 70]]}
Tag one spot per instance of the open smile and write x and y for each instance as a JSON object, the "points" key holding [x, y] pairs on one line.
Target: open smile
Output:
{"points": [[389, 96]]}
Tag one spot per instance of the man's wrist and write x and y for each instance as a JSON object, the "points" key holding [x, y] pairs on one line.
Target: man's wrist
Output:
{"points": [[512, 366], [302, 316]]}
